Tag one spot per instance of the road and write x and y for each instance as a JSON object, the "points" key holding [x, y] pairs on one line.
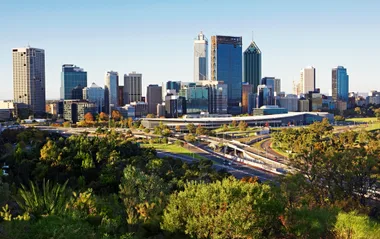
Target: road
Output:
{"points": [[237, 170]]}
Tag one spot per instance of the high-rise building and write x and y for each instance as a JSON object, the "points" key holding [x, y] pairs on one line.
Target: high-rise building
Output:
{"points": [[263, 95], [29, 78], [246, 92], [307, 79], [77, 93], [153, 98], [196, 98], [226, 66], [71, 77], [173, 85], [200, 58], [340, 84], [252, 65], [120, 95], [95, 94], [270, 83], [111, 85], [277, 86], [132, 87], [289, 102]]}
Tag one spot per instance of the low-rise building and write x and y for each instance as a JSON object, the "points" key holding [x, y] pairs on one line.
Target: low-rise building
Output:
{"points": [[75, 110], [269, 110]]}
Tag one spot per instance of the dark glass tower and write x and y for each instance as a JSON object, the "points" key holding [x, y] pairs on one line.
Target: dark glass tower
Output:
{"points": [[340, 84], [226, 66], [252, 65], [71, 77]]}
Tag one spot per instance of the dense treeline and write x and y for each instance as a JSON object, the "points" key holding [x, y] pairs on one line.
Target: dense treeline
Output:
{"points": [[106, 186]]}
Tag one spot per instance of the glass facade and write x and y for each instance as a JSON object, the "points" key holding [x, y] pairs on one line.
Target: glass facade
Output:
{"points": [[110, 90], [196, 99], [270, 83], [252, 65], [340, 82], [200, 58], [226, 66], [95, 94], [263, 95], [71, 77], [173, 85]]}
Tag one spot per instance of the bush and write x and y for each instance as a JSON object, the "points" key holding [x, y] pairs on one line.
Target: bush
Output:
{"points": [[352, 225]]}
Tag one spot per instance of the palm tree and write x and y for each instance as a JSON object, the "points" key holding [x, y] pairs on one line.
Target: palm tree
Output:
{"points": [[52, 199]]}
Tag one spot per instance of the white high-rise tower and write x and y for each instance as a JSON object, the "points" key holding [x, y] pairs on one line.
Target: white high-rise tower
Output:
{"points": [[200, 58], [308, 79]]}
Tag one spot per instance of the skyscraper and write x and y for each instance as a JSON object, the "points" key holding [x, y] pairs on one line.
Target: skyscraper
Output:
{"points": [[246, 91], [153, 98], [29, 78], [277, 86], [252, 65], [173, 85], [270, 82], [200, 58], [111, 84], [71, 77], [263, 95], [226, 66], [132, 87], [340, 82], [307, 79], [94, 94]]}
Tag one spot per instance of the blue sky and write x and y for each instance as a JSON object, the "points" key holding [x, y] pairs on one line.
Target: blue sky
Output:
{"points": [[156, 37]]}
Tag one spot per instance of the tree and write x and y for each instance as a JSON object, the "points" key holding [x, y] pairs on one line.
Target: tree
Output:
{"points": [[103, 116], [234, 123], [224, 209], [243, 126], [339, 118], [116, 115], [190, 138], [358, 110], [88, 117], [200, 130], [177, 128], [377, 113], [191, 128], [66, 124], [150, 116]]}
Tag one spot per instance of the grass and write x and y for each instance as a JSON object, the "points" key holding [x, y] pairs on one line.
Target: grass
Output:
{"points": [[365, 120], [174, 149]]}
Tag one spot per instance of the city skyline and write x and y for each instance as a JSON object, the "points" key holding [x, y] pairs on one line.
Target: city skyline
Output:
{"points": [[330, 34]]}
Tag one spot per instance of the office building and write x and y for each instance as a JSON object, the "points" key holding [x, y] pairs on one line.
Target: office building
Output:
{"points": [[246, 92], [153, 98], [217, 97], [111, 85], [132, 87], [263, 95], [226, 66], [77, 93], [303, 105], [71, 77], [141, 108], [160, 110], [289, 102], [315, 100], [252, 65], [277, 86], [75, 110], [270, 83], [340, 82], [200, 58], [120, 95], [171, 106], [269, 110], [173, 86], [128, 111], [307, 79], [29, 79], [196, 98], [95, 94]]}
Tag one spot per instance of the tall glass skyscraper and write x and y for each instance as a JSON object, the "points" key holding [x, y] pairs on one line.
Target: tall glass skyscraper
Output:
{"points": [[71, 77], [270, 83], [111, 86], [226, 66], [340, 81], [200, 58], [252, 65]]}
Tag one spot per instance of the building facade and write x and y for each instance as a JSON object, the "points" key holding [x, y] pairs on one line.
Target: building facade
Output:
{"points": [[277, 86], [217, 97], [247, 90], [252, 65], [120, 95], [75, 110], [270, 83], [196, 98], [200, 58], [153, 98], [71, 77], [77, 93], [340, 82], [29, 78], [111, 86], [263, 95], [289, 102], [307, 79], [174, 86], [132, 87], [226, 66], [95, 94]]}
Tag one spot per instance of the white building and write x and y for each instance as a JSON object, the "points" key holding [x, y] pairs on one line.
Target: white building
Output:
{"points": [[277, 86], [29, 78], [308, 79], [94, 94], [200, 58], [132, 87], [289, 102], [111, 85]]}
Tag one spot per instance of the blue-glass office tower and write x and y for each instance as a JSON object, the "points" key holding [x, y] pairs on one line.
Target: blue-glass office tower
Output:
{"points": [[196, 98], [173, 85], [252, 65], [263, 95], [270, 83], [340, 82], [226, 66], [71, 77]]}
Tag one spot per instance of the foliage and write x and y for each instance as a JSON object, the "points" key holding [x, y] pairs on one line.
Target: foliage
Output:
{"points": [[243, 126], [201, 130], [103, 116], [226, 209], [339, 118], [52, 199], [352, 225], [190, 138], [66, 124], [150, 116], [116, 115], [88, 117], [191, 128]]}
